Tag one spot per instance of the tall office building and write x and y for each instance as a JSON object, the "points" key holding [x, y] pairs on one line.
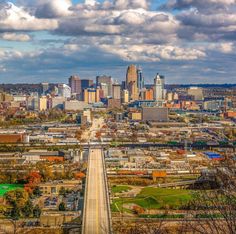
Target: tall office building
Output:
{"points": [[44, 88], [116, 90], [140, 79], [85, 84], [159, 88], [42, 103], [105, 81], [91, 95], [132, 82], [75, 85], [125, 96], [64, 91], [105, 89]]}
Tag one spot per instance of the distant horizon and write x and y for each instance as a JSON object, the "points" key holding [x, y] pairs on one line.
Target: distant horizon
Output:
{"points": [[181, 84]]}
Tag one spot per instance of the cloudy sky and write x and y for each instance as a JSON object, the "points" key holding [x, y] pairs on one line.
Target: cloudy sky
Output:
{"points": [[188, 41]]}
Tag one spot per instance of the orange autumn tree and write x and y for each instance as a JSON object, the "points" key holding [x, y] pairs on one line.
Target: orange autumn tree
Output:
{"points": [[79, 175], [33, 179]]}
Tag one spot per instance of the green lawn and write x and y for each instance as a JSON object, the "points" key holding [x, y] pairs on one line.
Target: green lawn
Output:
{"points": [[4, 188], [120, 188], [156, 198]]}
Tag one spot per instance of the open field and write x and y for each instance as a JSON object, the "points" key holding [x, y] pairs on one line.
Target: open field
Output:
{"points": [[154, 198], [120, 188]]}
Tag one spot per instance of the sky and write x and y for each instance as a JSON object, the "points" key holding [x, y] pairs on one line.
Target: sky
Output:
{"points": [[187, 41]]}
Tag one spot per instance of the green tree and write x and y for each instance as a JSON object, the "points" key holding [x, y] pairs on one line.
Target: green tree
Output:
{"points": [[15, 212], [36, 211], [62, 191], [28, 209], [17, 197], [62, 206], [37, 192]]}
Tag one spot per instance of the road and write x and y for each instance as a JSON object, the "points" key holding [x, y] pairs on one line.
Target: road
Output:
{"points": [[90, 134], [96, 213]]}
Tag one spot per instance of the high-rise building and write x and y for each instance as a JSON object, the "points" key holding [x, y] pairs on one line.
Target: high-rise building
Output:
{"points": [[159, 88], [32, 102], [44, 88], [116, 90], [140, 79], [43, 103], [125, 96], [85, 84], [64, 91], [75, 85], [148, 95], [102, 80], [105, 89], [132, 82], [91, 95]]}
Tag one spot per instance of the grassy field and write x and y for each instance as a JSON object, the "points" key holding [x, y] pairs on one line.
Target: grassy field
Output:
{"points": [[4, 188], [120, 188], [155, 198]]}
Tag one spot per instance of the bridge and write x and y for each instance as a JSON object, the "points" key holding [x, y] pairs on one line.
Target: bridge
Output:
{"points": [[96, 215]]}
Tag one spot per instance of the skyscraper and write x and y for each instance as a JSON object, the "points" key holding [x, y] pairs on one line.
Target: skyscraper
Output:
{"points": [[132, 82], [64, 91], [85, 84], [159, 87], [44, 88], [75, 84], [91, 95], [116, 90], [105, 81], [140, 79]]}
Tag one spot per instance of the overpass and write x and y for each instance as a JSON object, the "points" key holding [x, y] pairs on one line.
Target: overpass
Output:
{"points": [[96, 214]]}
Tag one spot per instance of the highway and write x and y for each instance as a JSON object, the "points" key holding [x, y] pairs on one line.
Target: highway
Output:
{"points": [[96, 206]]}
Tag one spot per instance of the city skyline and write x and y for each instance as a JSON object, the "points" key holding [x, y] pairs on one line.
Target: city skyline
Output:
{"points": [[52, 40]]}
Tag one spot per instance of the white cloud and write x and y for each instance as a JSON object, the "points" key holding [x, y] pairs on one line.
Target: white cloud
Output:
{"points": [[13, 18], [90, 2], [153, 53], [224, 47], [15, 37]]}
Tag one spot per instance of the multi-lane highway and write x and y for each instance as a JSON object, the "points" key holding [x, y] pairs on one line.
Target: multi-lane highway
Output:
{"points": [[96, 211]]}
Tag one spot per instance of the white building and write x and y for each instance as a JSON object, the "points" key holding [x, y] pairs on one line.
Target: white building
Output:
{"points": [[64, 91], [159, 88]]}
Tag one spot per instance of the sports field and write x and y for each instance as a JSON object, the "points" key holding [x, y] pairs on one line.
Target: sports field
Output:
{"points": [[4, 188]]}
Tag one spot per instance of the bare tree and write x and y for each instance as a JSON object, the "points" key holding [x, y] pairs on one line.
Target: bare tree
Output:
{"points": [[214, 211]]}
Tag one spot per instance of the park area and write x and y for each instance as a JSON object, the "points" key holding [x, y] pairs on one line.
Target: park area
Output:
{"points": [[151, 198], [4, 188]]}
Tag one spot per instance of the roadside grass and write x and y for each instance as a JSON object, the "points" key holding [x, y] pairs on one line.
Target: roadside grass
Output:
{"points": [[155, 198], [120, 188]]}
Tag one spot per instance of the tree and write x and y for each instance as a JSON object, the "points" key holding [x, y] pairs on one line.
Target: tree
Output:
{"points": [[33, 179], [28, 209], [215, 208], [37, 192], [45, 171], [15, 213], [17, 197], [62, 191], [36, 211], [79, 175], [62, 206]]}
